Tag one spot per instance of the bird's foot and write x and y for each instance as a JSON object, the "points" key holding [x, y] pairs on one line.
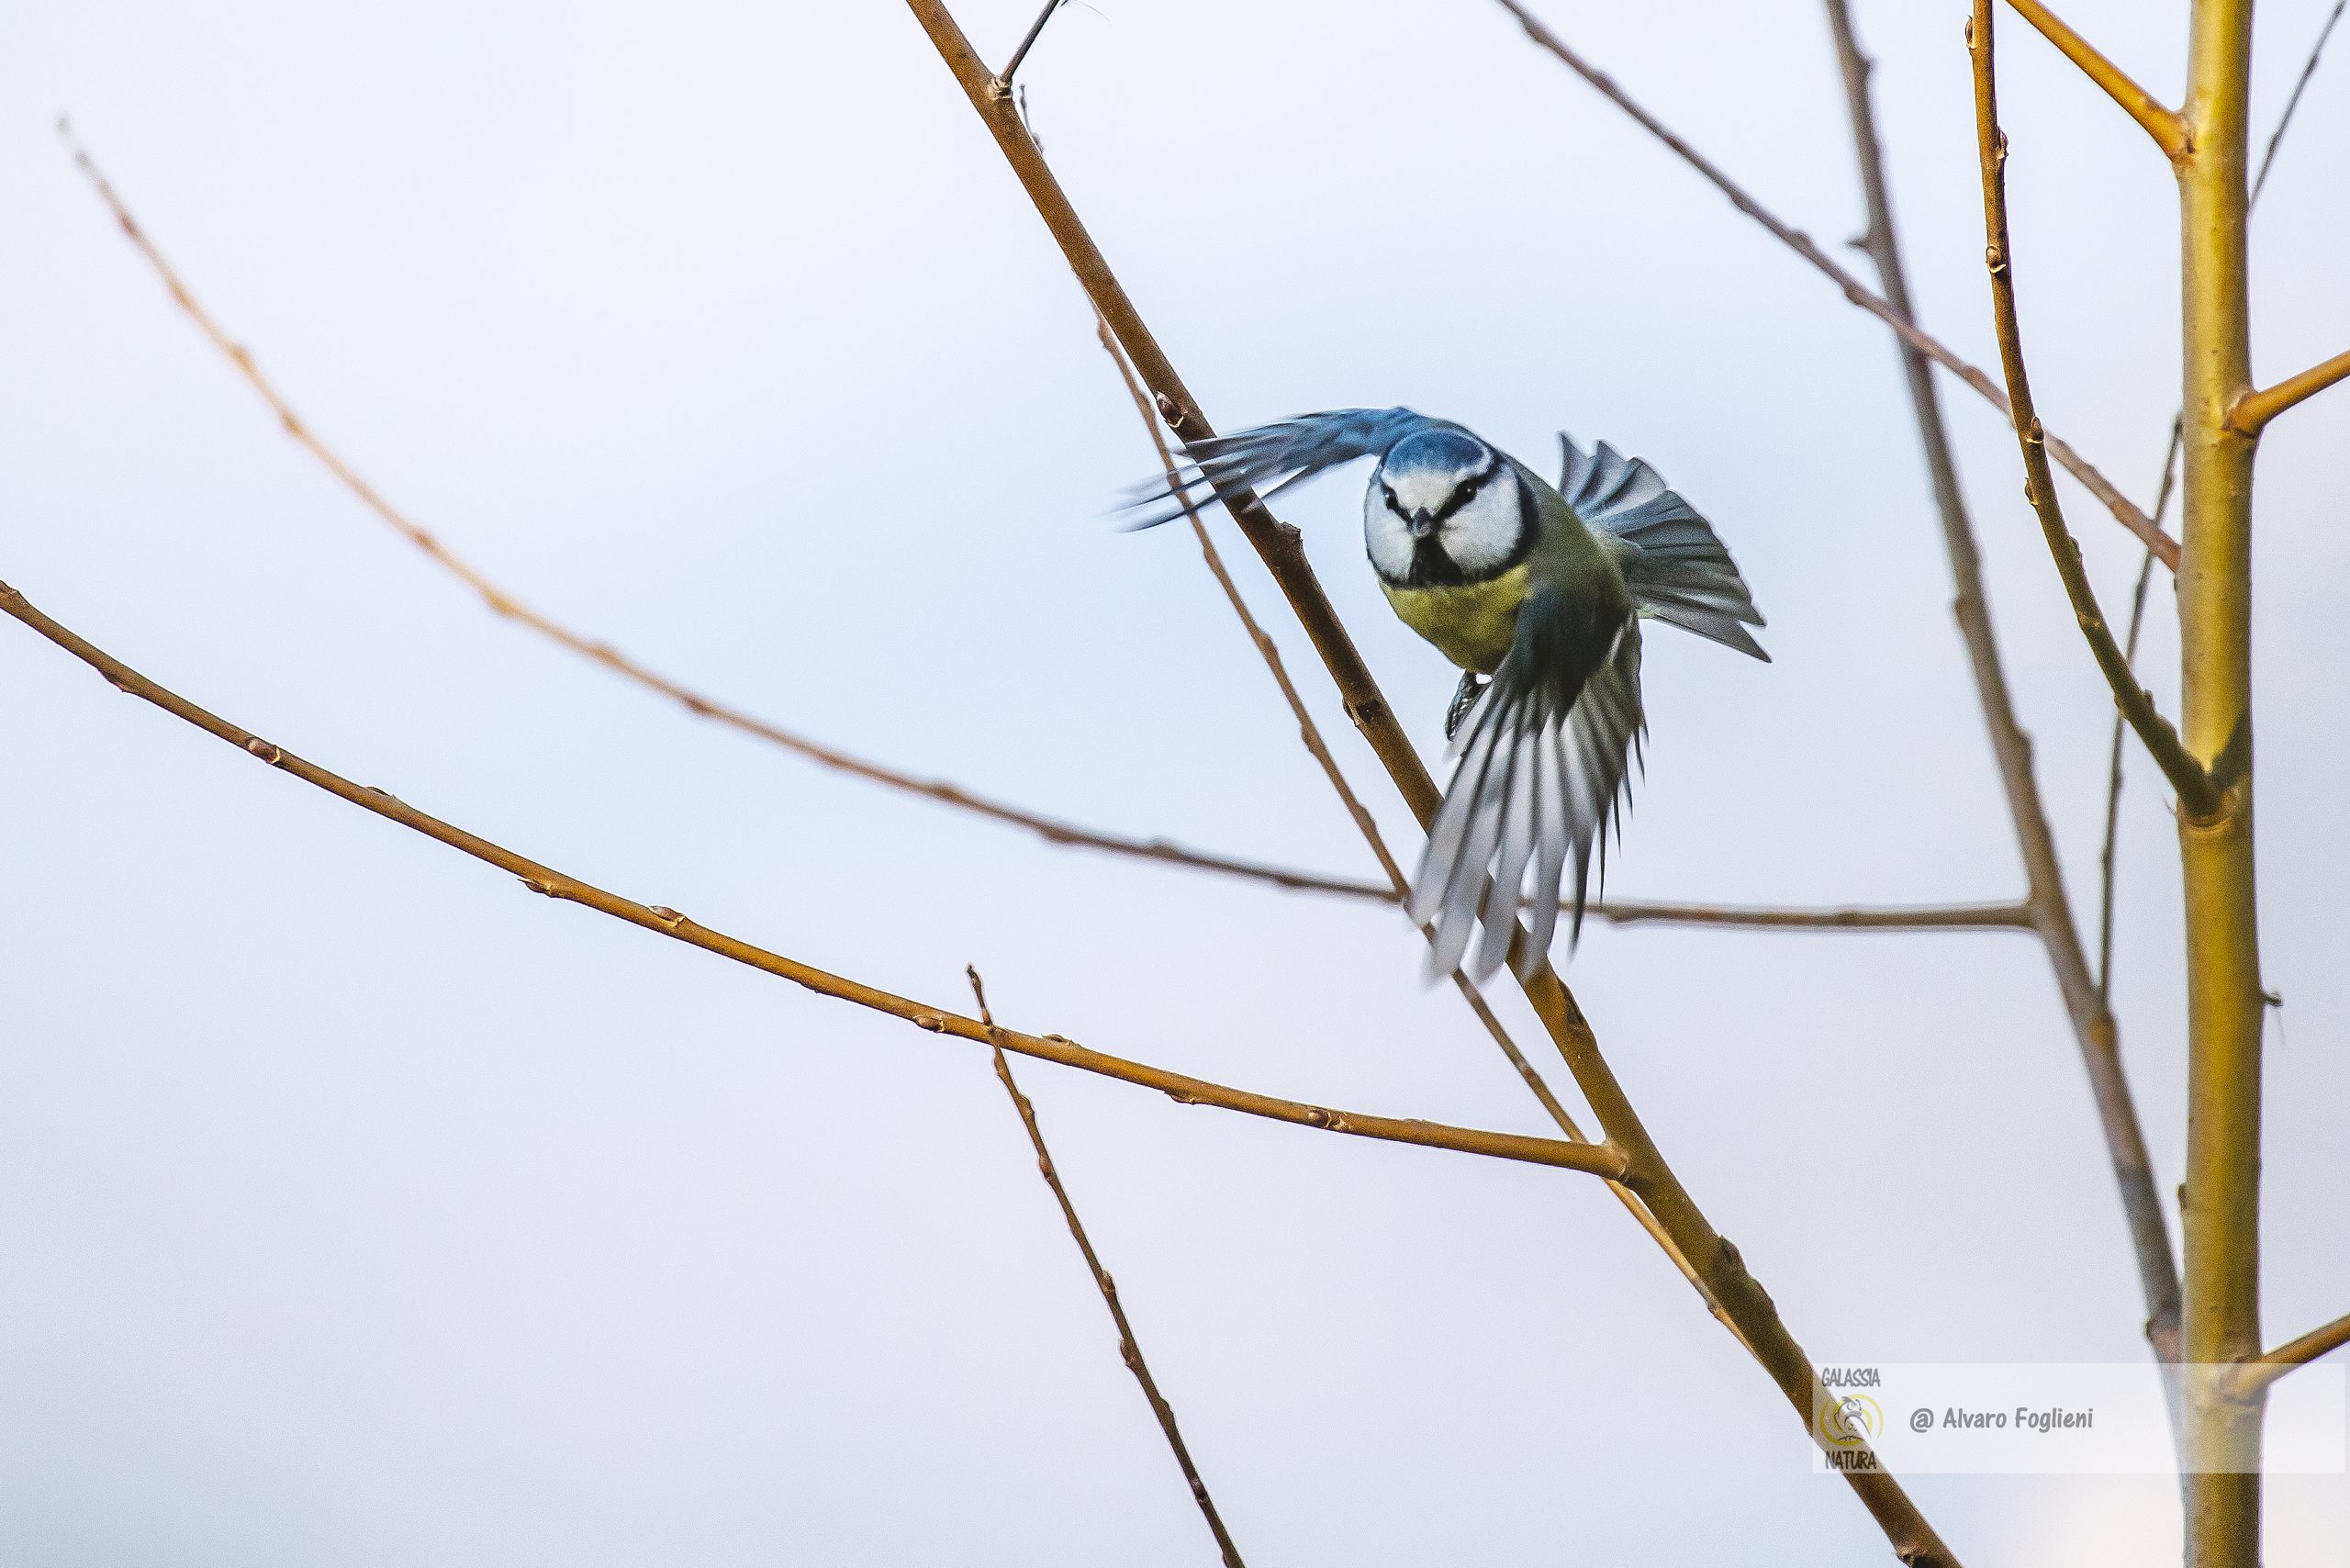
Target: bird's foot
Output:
{"points": [[1472, 685]]}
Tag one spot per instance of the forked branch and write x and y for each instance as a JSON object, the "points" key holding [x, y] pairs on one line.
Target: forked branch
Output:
{"points": [[2253, 1376], [2293, 101], [2199, 795], [1600, 1160], [2250, 414], [1854, 290], [2164, 124]]}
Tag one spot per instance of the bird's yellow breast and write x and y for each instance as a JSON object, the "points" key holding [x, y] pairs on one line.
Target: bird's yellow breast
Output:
{"points": [[1471, 624]]}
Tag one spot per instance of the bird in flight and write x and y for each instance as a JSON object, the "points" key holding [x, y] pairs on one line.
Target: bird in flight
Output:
{"points": [[1537, 592]]}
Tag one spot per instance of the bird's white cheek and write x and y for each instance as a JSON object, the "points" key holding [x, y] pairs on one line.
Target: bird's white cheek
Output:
{"points": [[1484, 533], [1384, 536]]}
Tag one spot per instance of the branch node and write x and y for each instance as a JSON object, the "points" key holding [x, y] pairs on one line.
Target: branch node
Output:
{"points": [[264, 750], [934, 1022]]}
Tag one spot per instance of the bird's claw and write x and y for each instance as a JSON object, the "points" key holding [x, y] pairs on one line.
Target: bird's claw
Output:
{"points": [[1463, 699]]}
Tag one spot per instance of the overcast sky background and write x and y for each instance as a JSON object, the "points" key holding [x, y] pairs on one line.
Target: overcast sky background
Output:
{"points": [[357, 1208]]}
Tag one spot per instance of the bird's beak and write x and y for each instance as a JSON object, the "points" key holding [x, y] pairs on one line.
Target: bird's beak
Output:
{"points": [[1422, 523]]}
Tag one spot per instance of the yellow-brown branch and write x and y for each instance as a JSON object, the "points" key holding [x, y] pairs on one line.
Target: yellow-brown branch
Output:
{"points": [[2199, 795], [2159, 121], [2250, 414]]}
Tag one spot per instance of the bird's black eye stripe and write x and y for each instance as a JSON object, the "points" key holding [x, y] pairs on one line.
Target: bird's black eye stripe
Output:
{"points": [[1461, 496], [1392, 504]]}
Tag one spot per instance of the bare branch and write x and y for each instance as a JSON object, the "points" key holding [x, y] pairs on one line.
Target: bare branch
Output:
{"points": [[1945, 917], [2300, 85], [2093, 1030], [1601, 1159], [1129, 1348], [2199, 795], [2255, 1375], [1716, 1262], [2097, 484], [1028, 41], [2163, 124], [2250, 414], [2110, 856]]}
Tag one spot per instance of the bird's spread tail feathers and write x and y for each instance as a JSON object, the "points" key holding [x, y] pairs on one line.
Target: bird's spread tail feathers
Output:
{"points": [[1541, 779]]}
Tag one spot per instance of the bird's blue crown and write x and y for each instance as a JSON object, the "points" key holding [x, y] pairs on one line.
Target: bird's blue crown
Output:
{"points": [[1436, 452]]}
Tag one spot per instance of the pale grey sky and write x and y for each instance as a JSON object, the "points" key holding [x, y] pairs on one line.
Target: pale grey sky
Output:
{"points": [[357, 1208]]}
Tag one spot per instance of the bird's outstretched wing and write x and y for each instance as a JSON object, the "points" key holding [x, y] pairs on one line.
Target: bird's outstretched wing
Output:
{"points": [[1677, 570], [1541, 779], [1286, 452]]}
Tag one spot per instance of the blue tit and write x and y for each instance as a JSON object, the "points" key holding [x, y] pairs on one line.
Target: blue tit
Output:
{"points": [[1537, 593]]}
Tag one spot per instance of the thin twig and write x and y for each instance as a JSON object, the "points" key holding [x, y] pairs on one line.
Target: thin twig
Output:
{"points": [[1600, 1160], [1944, 917], [1308, 730], [2097, 484], [2301, 83], [2094, 1032], [2255, 1375], [2198, 793], [1129, 1348], [2108, 856], [1727, 1280], [1036, 30], [2156, 119]]}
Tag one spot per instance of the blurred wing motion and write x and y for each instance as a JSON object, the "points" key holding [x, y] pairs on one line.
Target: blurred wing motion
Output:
{"points": [[1676, 569], [1543, 757], [1285, 452]]}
